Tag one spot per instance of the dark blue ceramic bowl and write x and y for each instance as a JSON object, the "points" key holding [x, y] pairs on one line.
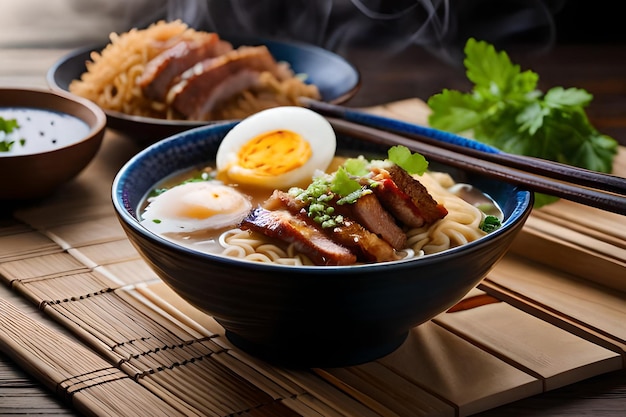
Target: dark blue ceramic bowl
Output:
{"points": [[336, 79], [309, 316]]}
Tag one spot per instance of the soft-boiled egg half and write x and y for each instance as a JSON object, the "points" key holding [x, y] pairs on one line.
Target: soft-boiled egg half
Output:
{"points": [[276, 148], [194, 206]]}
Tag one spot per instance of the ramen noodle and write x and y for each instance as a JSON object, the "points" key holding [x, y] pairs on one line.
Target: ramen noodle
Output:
{"points": [[111, 74]]}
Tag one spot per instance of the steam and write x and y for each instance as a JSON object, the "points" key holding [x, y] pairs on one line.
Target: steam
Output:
{"points": [[440, 26]]}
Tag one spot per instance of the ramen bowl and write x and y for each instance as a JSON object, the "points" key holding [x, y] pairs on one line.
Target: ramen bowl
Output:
{"points": [[58, 135], [308, 316]]}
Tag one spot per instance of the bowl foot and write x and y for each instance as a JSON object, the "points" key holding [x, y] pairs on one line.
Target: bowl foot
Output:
{"points": [[318, 354]]}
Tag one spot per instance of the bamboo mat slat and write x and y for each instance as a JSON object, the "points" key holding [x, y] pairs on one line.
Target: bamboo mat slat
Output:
{"points": [[71, 260], [71, 370], [100, 254], [24, 243]]}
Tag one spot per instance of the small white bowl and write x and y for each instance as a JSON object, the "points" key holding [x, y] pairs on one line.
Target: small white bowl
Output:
{"points": [[59, 135]]}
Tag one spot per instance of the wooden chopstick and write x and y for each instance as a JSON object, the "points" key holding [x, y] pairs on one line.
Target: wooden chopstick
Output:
{"points": [[555, 170], [570, 191]]}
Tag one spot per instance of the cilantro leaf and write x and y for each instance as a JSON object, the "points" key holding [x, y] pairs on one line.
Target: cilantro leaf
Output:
{"points": [[456, 110], [6, 146], [343, 184], [356, 166], [8, 125], [489, 224], [413, 163], [493, 73], [571, 97], [506, 110]]}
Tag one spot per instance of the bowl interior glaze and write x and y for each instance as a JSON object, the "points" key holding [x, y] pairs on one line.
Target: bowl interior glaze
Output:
{"points": [[309, 316]]}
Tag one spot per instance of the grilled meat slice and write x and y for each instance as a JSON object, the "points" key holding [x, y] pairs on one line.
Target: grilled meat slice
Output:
{"points": [[162, 71], [406, 198], [368, 246], [210, 81], [309, 240], [368, 211], [282, 200]]}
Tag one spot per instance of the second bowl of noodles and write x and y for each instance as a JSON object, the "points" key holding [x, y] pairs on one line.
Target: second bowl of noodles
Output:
{"points": [[298, 310], [251, 74]]}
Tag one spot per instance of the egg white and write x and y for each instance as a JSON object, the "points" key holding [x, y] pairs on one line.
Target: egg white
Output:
{"points": [[195, 206], [310, 126]]}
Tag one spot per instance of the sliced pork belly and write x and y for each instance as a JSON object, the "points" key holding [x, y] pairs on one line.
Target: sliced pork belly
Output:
{"points": [[162, 71], [309, 240], [407, 199], [282, 200], [207, 83], [368, 211], [368, 246]]}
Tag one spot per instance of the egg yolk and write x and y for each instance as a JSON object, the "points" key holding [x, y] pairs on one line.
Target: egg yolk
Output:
{"points": [[273, 153]]}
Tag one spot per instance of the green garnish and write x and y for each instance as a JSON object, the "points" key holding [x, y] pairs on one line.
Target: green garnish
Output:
{"points": [[490, 223], [343, 183], [157, 192], [7, 126], [357, 167], [413, 163], [349, 183], [506, 110], [5, 145]]}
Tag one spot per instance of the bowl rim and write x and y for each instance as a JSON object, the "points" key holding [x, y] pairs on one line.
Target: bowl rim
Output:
{"points": [[96, 128], [522, 209]]}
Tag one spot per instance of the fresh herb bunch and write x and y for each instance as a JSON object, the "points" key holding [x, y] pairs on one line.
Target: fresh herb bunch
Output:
{"points": [[506, 110]]}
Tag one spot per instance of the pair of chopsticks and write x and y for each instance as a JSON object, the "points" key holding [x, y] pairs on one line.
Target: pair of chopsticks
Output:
{"points": [[595, 189]]}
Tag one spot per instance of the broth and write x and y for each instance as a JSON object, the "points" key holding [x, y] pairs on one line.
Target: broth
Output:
{"points": [[40, 130]]}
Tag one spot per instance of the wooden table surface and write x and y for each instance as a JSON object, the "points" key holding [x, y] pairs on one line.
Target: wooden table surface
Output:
{"points": [[600, 69]]}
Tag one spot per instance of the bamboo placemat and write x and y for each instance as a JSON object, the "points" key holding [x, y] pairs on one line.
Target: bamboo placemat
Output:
{"points": [[550, 314]]}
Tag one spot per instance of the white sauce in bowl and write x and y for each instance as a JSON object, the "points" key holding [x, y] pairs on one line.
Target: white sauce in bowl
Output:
{"points": [[39, 131]]}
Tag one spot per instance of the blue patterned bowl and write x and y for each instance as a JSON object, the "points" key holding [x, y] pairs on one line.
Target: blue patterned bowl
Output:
{"points": [[309, 316]]}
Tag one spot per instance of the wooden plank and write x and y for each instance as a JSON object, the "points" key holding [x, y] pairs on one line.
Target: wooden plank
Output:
{"points": [[585, 263], [459, 372], [386, 392], [539, 348], [597, 311]]}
